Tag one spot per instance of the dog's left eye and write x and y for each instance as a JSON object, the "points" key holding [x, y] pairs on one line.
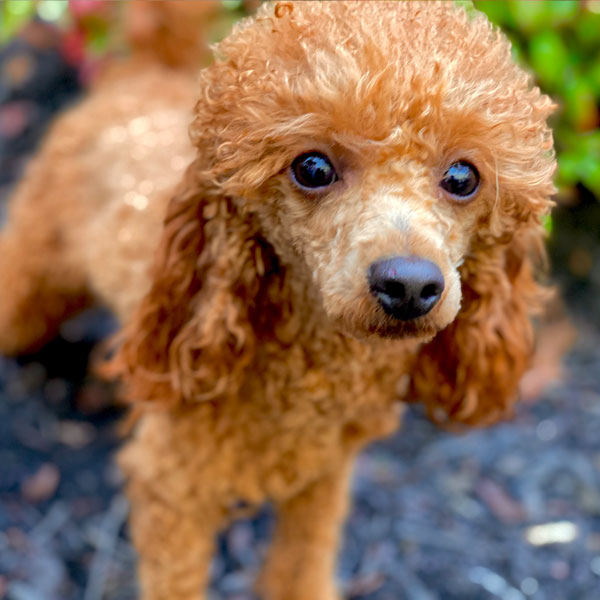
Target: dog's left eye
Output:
{"points": [[313, 170], [461, 179]]}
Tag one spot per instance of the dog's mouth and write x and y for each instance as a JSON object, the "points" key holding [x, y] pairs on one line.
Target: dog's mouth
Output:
{"points": [[394, 329], [380, 325]]}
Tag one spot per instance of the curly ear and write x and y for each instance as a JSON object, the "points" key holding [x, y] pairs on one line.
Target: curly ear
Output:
{"points": [[192, 337], [469, 373]]}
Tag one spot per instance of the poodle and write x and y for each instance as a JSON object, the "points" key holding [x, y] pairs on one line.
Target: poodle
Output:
{"points": [[359, 225]]}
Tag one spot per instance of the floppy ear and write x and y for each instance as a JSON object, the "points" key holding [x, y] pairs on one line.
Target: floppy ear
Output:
{"points": [[192, 336], [469, 373]]}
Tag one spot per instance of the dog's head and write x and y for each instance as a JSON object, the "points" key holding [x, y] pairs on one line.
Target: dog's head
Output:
{"points": [[391, 156]]}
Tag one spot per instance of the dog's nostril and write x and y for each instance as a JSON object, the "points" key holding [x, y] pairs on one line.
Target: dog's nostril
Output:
{"points": [[429, 291], [406, 287], [394, 288]]}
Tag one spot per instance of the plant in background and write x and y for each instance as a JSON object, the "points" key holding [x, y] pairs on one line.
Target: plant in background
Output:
{"points": [[560, 42], [84, 26]]}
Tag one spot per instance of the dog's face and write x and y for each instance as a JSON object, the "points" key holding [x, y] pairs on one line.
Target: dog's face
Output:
{"points": [[382, 230], [377, 154]]}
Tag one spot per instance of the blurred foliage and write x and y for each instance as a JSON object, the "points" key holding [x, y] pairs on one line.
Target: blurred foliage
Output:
{"points": [[92, 29], [559, 41], [14, 14], [85, 25]]}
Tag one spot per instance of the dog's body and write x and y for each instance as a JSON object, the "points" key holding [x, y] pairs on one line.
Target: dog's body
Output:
{"points": [[289, 436], [266, 351], [56, 212]]}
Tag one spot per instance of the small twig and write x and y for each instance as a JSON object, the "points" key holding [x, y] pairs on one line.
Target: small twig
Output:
{"points": [[414, 588], [46, 529], [105, 544]]}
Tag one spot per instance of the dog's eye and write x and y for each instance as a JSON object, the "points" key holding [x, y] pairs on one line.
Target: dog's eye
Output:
{"points": [[461, 179], [313, 170]]}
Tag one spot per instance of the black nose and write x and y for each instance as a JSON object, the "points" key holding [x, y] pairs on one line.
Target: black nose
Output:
{"points": [[407, 287]]}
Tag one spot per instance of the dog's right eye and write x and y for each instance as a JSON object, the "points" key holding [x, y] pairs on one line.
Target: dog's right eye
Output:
{"points": [[461, 180], [313, 170]]}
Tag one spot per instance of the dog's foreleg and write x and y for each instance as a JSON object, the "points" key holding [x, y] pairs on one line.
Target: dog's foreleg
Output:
{"points": [[301, 560], [175, 548]]}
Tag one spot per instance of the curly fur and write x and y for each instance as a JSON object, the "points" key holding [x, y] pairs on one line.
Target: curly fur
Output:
{"points": [[258, 362]]}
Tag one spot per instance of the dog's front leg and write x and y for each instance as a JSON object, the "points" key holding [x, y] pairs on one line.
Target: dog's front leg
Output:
{"points": [[301, 560], [175, 547]]}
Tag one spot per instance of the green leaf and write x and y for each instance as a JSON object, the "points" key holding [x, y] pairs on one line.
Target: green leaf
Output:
{"points": [[593, 74], [580, 104], [20, 7], [590, 174], [13, 16], [232, 4], [568, 169], [562, 12], [497, 12], [530, 16], [587, 28], [549, 58]]}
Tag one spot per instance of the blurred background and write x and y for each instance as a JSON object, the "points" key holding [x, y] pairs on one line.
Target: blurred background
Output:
{"points": [[512, 512]]}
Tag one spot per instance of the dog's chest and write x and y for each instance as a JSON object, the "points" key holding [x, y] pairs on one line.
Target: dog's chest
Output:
{"points": [[336, 379], [293, 421], [299, 417], [275, 449]]}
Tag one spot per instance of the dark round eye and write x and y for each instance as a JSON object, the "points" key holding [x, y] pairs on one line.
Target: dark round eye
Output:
{"points": [[313, 170], [461, 179]]}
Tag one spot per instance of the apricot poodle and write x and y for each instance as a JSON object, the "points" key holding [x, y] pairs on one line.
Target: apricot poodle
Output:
{"points": [[359, 225]]}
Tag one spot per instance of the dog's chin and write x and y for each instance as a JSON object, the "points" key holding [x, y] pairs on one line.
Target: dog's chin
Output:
{"points": [[395, 330], [384, 327]]}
